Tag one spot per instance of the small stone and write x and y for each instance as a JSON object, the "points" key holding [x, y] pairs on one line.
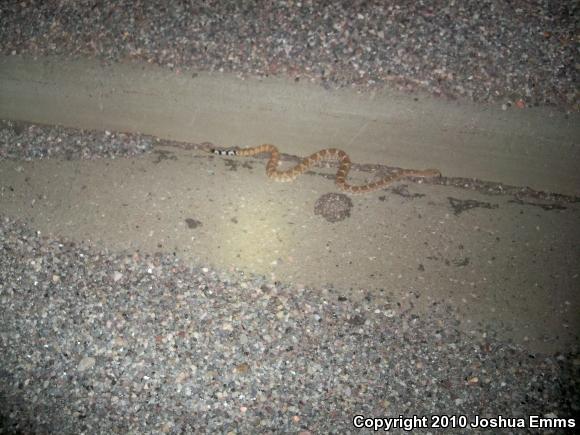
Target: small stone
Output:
{"points": [[389, 313], [242, 368], [86, 363]]}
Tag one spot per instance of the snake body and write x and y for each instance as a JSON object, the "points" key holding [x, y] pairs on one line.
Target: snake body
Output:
{"points": [[330, 154]]}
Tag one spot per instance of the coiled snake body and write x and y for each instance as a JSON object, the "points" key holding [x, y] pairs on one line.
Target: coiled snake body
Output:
{"points": [[332, 154]]}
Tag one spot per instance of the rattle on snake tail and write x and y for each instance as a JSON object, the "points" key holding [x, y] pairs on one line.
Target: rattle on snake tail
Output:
{"points": [[332, 154]]}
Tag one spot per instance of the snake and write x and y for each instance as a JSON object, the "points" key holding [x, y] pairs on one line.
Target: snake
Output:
{"points": [[328, 154]]}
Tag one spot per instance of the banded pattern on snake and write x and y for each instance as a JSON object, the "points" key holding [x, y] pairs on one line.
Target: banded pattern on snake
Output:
{"points": [[331, 154]]}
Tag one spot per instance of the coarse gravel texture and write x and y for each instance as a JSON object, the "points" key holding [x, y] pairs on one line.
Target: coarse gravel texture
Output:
{"points": [[522, 52], [101, 342], [27, 141]]}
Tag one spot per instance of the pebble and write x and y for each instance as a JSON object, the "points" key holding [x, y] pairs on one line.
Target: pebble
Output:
{"points": [[86, 363]]}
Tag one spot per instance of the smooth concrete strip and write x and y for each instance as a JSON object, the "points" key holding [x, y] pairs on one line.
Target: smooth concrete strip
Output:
{"points": [[511, 266], [539, 148]]}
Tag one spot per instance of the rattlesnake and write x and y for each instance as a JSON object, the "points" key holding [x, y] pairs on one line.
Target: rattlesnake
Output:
{"points": [[332, 154]]}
